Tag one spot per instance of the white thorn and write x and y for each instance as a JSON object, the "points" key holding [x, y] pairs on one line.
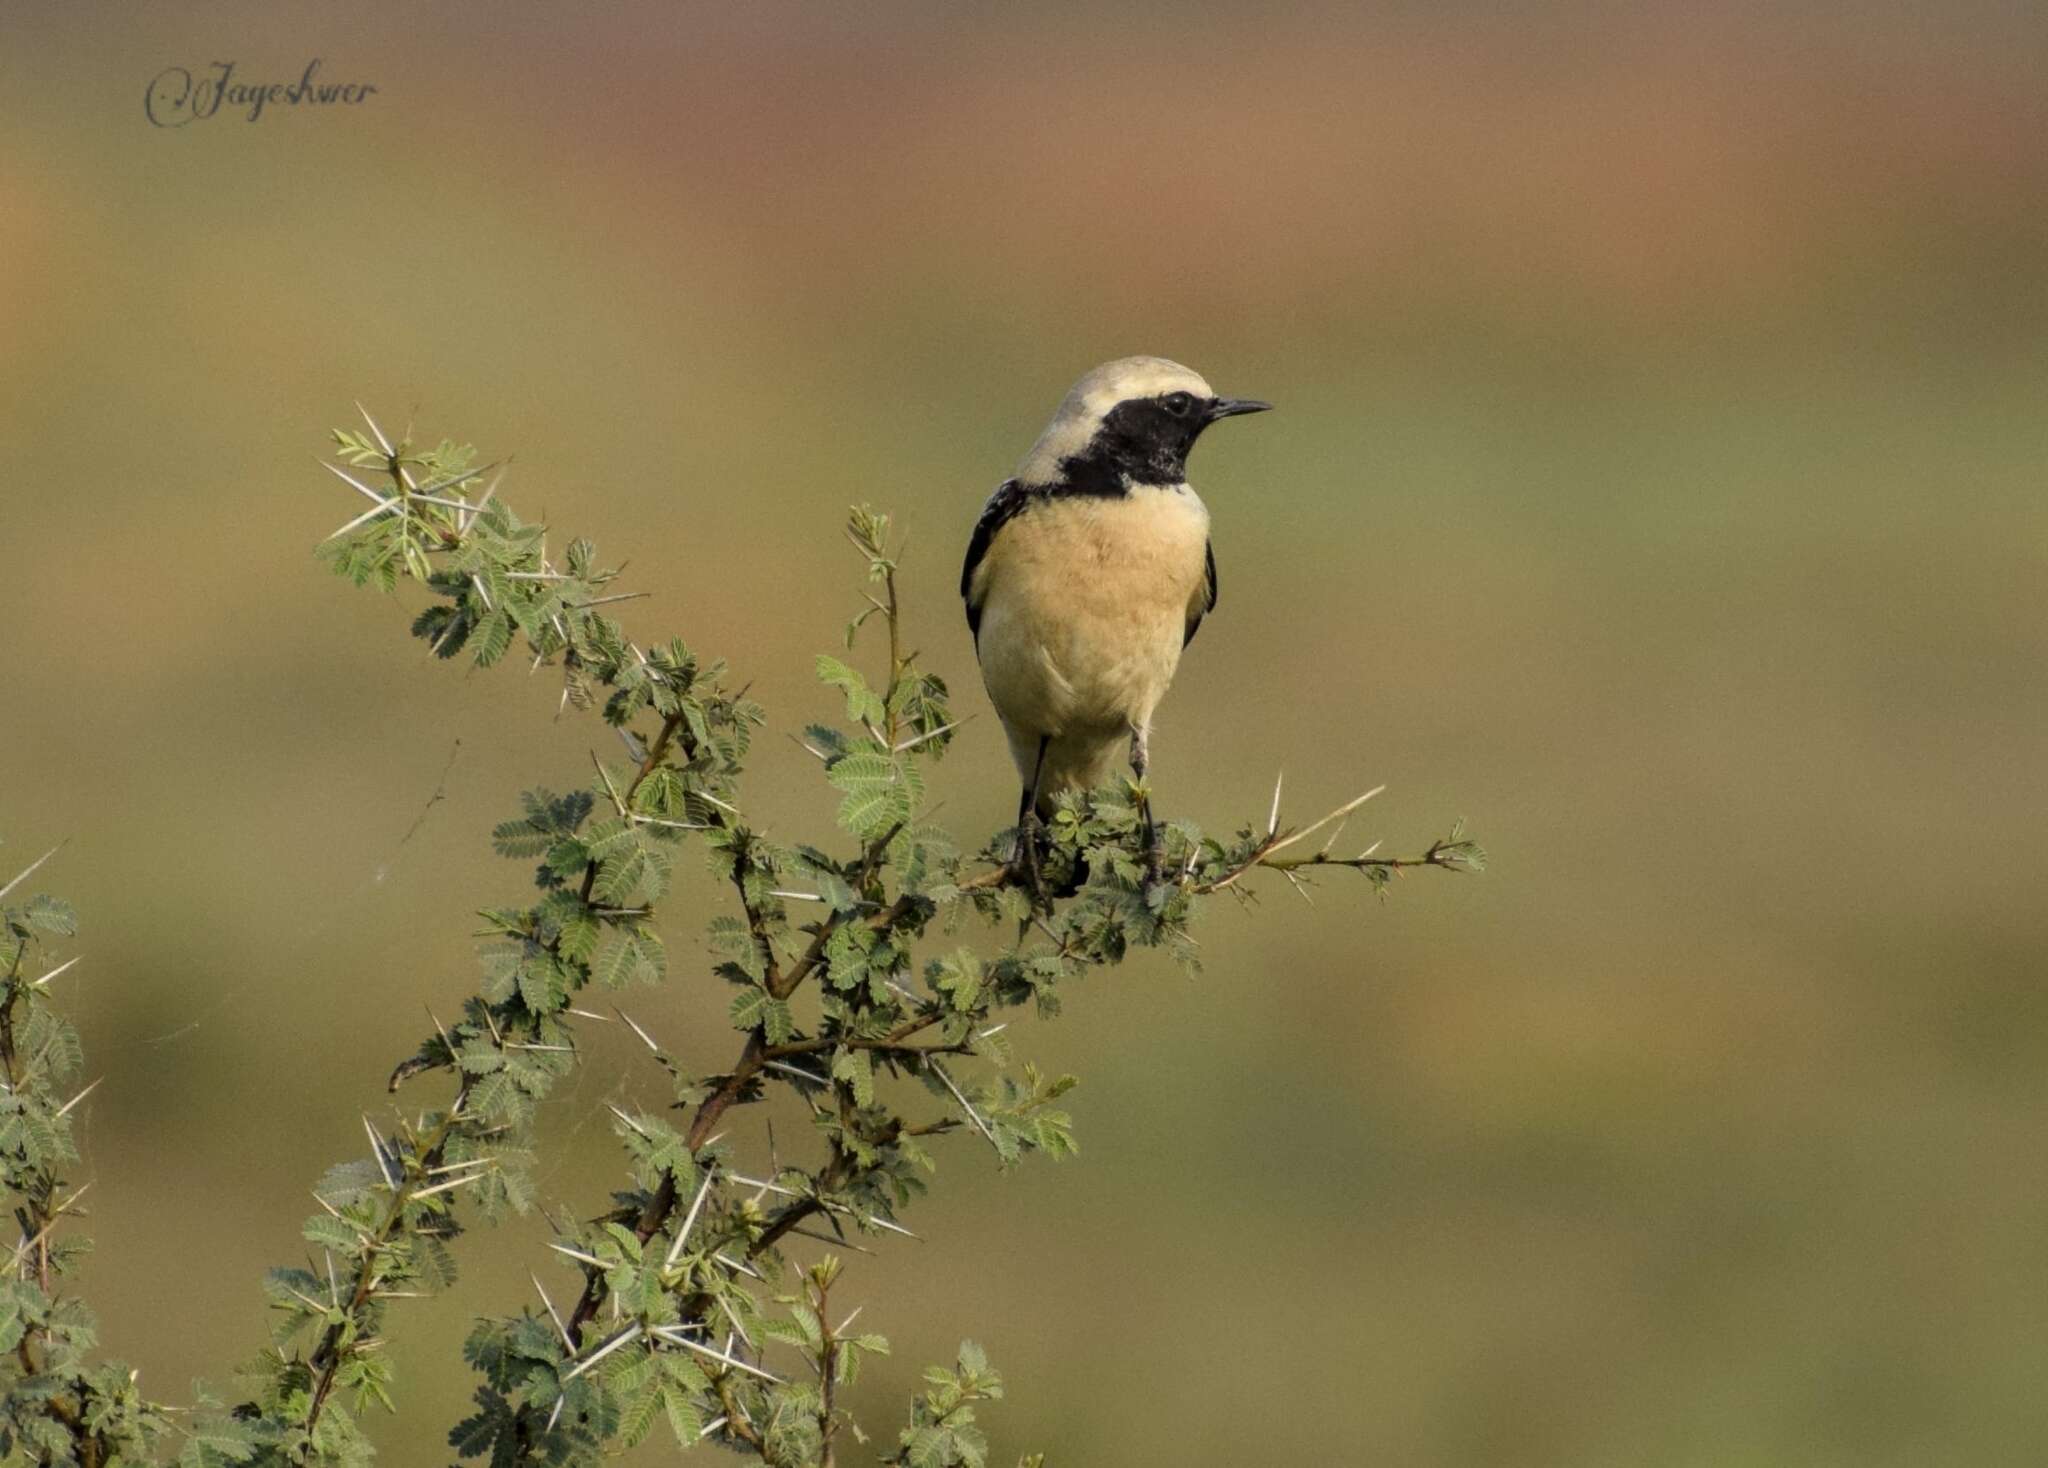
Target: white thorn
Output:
{"points": [[307, 1300], [792, 1070], [61, 1110], [384, 502], [675, 1337], [38, 983], [767, 1187], [634, 1025], [921, 738], [567, 1339], [477, 508], [382, 442], [965, 1105], [605, 775], [434, 499], [624, 1338], [25, 871], [689, 1220], [377, 1151], [473, 1162], [366, 516], [450, 482], [451, 1183], [1339, 813], [733, 1316]]}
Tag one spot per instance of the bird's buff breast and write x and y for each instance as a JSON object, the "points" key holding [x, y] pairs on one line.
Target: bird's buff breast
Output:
{"points": [[1085, 607]]}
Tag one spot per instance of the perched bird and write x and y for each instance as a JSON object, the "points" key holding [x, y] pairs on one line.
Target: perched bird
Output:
{"points": [[1087, 574]]}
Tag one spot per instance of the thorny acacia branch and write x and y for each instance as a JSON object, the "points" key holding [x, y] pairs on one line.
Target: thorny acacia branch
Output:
{"points": [[681, 1265]]}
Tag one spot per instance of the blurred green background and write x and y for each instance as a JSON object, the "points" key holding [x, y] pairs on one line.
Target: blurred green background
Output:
{"points": [[1657, 484]]}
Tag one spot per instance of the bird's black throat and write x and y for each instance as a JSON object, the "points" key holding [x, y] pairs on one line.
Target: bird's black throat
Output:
{"points": [[1140, 441]]}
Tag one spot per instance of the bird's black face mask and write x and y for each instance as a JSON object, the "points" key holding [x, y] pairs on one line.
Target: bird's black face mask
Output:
{"points": [[1147, 440]]}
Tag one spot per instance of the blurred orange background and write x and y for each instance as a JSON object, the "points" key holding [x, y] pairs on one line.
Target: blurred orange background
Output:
{"points": [[1657, 484]]}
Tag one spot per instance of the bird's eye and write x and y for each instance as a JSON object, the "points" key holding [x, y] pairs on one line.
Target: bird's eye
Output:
{"points": [[1180, 404]]}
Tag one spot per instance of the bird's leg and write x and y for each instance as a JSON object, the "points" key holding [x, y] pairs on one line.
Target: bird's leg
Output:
{"points": [[1140, 761], [1025, 862]]}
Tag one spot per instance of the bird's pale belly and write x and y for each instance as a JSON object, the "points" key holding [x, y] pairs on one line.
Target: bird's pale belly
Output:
{"points": [[1087, 605]]}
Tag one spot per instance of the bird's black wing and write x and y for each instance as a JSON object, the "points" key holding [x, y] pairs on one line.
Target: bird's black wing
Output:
{"points": [[1003, 506], [1209, 601]]}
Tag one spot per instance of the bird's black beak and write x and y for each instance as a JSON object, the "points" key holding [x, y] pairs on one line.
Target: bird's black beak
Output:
{"points": [[1231, 407]]}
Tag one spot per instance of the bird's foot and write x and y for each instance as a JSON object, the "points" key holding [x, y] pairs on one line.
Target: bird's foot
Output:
{"points": [[1028, 875], [1155, 882], [1026, 869], [1155, 850]]}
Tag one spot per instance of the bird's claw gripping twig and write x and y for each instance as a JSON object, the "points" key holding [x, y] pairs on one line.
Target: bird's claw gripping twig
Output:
{"points": [[1155, 850], [1026, 865]]}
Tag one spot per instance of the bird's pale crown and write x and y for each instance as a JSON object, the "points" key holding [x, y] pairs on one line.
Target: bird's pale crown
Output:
{"points": [[1089, 402]]}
